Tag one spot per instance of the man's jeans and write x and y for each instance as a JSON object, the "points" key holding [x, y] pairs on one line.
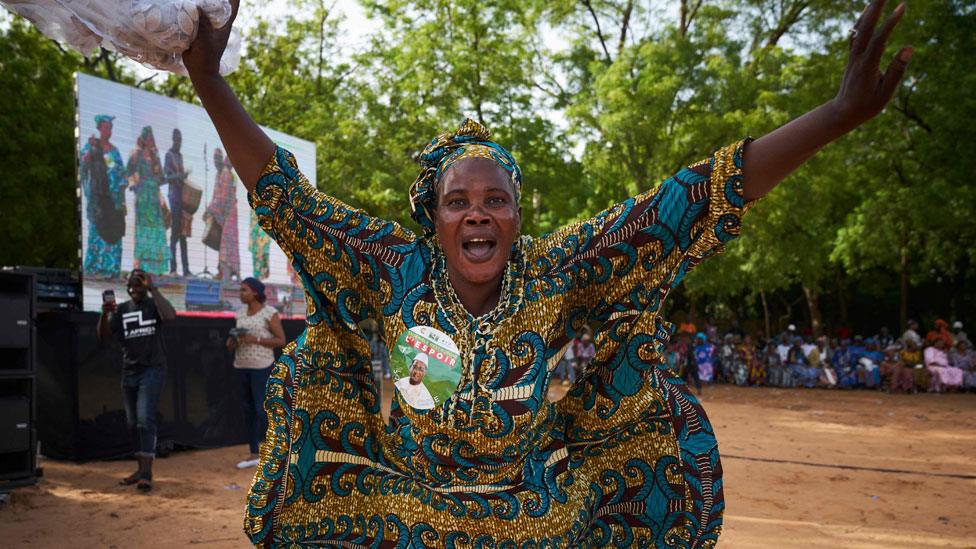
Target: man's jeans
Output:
{"points": [[140, 391]]}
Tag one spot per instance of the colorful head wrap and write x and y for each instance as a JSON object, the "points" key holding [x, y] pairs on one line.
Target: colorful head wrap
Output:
{"points": [[99, 118], [471, 140]]}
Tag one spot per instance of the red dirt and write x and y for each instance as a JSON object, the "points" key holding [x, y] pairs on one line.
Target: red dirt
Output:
{"points": [[788, 501]]}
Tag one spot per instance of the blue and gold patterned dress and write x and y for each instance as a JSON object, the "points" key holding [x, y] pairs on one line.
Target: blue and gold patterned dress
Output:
{"points": [[627, 458], [103, 259]]}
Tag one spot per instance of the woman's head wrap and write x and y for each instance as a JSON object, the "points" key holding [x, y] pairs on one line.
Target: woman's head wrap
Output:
{"points": [[471, 140], [99, 118], [257, 287]]}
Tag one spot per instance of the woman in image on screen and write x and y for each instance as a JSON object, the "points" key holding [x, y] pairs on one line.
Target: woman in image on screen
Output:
{"points": [[145, 172]]}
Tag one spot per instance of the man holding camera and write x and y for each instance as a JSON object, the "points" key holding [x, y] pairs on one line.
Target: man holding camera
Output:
{"points": [[137, 325]]}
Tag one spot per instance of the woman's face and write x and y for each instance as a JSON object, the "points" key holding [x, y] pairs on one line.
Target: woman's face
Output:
{"points": [[105, 130], [477, 220], [247, 294]]}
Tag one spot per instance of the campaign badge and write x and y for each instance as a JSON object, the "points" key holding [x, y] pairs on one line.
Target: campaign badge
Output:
{"points": [[426, 366]]}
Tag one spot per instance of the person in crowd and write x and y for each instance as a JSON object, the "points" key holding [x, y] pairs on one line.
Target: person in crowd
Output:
{"points": [[103, 184], [783, 347], [736, 329], [845, 365], [174, 176], [884, 338], [962, 357], [690, 372], [711, 331], [146, 174], [944, 376], [137, 325], [857, 350], [817, 357], [869, 365], [566, 367], [673, 357], [740, 365], [797, 363], [941, 331], [912, 334], [749, 355], [812, 352], [777, 375], [790, 333], [725, 358], [808, 345], [584, 351], [258, 333], [957, 332], [895, 376], [704, 357], [378, 351], [912, 360], [844, 332]]}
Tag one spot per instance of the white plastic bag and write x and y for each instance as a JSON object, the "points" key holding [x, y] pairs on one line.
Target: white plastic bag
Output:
{"points": [[152, 32]]}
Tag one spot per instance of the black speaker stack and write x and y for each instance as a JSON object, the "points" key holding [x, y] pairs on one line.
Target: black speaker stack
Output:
{"points": [[18, 431]]}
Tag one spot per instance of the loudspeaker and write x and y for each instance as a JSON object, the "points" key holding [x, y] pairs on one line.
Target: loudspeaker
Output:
{"points": [[16, 323], [15, 423], [18, 434]]}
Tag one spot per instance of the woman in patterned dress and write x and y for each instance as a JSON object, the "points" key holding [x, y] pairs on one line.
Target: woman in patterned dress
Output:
{"points": [[260, 246], [102, 258], [223, 209], [627, 458], [152, 253]]}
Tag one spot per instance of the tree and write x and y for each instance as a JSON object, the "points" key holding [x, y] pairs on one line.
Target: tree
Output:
{"points": [[39, 218]]}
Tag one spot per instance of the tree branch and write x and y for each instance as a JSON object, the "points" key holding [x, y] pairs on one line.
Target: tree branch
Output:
{"points": [[913, 116], [625, 26], [599, 31], [787, 22], [688, 15], [146, 79]]}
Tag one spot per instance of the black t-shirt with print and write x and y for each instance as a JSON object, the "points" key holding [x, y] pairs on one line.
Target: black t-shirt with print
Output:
{"points": [[138, 327]]}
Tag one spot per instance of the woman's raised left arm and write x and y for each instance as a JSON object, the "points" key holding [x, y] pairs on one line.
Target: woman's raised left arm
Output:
{"points": [[863, 93]]}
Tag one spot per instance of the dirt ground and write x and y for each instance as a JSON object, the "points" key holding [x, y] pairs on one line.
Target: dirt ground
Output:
{"points": [[803, 468]]}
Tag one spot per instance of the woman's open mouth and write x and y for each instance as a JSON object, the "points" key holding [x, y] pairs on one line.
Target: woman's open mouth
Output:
{"points": [[477, 250]]}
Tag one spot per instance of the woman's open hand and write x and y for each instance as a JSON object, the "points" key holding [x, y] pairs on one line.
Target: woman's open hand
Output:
{"points": [[865, 90], [206, 50]]}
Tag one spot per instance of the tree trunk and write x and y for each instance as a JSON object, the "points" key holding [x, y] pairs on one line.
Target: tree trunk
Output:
{"points": [[762, 295], [814, 305], [903, 288], [842, 298]]}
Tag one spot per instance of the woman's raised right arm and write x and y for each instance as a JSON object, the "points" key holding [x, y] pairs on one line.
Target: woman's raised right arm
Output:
{"points": [[248, 147]]}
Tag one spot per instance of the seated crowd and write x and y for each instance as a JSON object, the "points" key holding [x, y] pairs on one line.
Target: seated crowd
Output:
{"points": [[943, 360]]}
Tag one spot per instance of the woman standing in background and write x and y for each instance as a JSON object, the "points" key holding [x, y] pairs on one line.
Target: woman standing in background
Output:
{"points": [[258, 334]]}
